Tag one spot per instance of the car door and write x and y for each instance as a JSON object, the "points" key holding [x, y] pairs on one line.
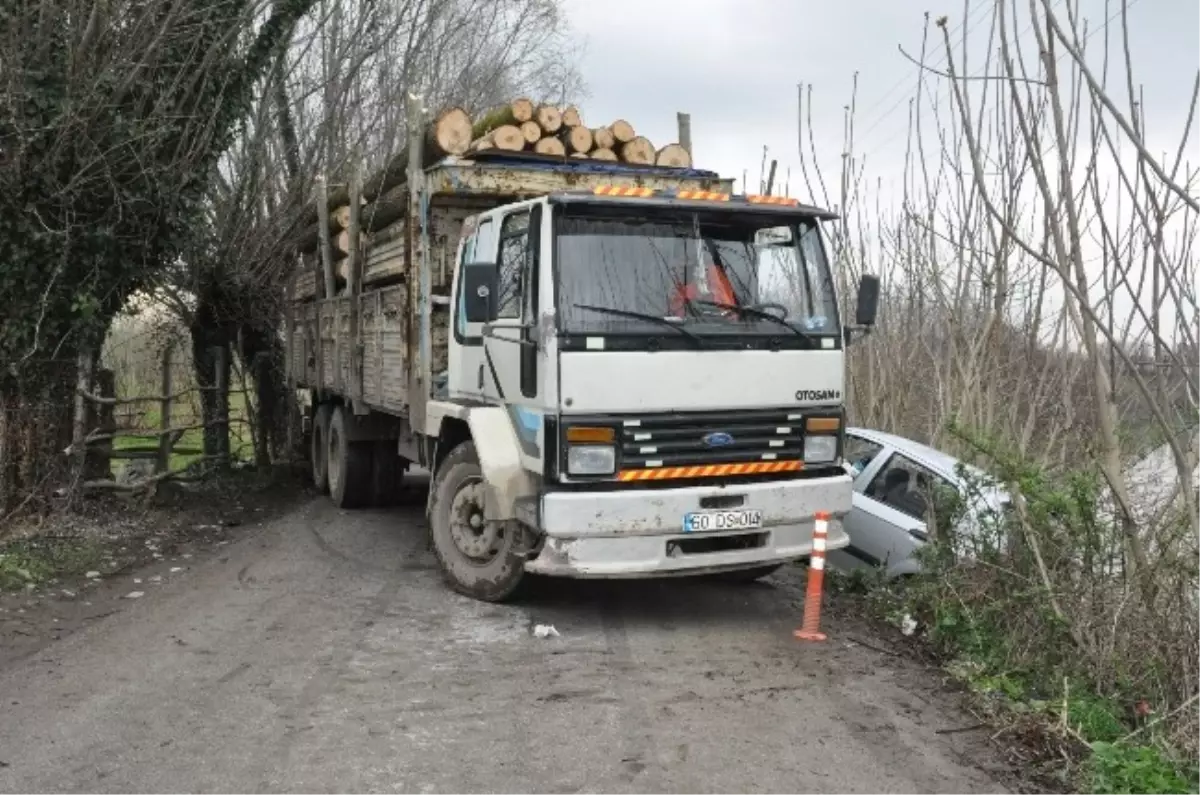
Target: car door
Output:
{"points": [[882, 534]]}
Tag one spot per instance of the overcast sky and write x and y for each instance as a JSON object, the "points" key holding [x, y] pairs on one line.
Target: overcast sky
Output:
{"points": [[734, 66]]}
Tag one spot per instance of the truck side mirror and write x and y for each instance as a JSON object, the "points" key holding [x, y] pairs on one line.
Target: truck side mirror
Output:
{"points": [[868, 300], [480, 287]]}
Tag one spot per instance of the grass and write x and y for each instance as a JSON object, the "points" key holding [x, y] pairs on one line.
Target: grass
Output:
{"points": [[32, 562], [241, 444]]}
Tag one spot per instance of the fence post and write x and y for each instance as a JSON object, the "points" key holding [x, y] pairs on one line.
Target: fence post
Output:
{"points": [[165, 442]]}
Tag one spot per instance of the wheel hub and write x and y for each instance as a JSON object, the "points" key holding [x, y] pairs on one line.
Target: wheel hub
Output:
{"points": [[472, 535]]}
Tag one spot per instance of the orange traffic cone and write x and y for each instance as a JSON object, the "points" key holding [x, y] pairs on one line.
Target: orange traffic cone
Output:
{"points": [[811, 628]]}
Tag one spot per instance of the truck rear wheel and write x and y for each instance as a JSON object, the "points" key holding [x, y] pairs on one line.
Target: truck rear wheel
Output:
{"points": [[349, 464], [319, 453], [387, 473], [476, 559]]}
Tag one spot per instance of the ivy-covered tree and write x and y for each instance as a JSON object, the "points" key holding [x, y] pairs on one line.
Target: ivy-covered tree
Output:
{"points": [[112, 119]]}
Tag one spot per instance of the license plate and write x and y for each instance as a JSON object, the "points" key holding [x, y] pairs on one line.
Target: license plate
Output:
{"points": [[707, 521]]}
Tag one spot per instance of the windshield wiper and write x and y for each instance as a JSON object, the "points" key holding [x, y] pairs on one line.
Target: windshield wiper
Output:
{"points": [[608, 310], [748, 310]]}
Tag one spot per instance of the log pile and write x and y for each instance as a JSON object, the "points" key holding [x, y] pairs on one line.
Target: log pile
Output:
{"points": [[521, 126], [517, 126]]}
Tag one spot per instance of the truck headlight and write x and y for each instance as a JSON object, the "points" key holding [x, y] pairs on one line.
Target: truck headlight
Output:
{"points": [[820, 449], [591, 459]]}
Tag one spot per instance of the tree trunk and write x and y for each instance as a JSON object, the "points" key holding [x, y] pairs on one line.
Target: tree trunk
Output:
{"points": [[532, 132], [638, 151], [604, 154], [603, 138], [622, 131], [673, 156], [550, 146], [549, 118], [449, 134], [514, 113], [576, 139]]}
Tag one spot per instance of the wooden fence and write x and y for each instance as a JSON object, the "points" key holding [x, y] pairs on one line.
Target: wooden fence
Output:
{"points": [[148, 431]]}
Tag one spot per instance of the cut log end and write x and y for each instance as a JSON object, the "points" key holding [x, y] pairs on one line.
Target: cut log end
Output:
{"points": [[522, 109], [576, 139], [550, 146], [531, 131], [603, 138], [582, 155], [570, 116], [482, 143], [508, 138], [549, 118], [603, 153], [450, 133], [622, 131], [673, 156], [638, 151]]}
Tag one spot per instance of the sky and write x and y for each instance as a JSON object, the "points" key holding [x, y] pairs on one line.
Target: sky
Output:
{"points": [[734, 65]]}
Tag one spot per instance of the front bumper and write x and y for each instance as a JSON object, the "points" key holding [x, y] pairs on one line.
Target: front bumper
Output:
{"points": [[639, 532]]}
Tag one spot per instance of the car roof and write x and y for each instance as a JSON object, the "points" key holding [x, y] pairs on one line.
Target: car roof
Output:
{"points": [[944, 464]]}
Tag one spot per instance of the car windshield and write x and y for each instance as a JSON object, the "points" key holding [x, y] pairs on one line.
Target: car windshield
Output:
{"points": [[712, 273]]}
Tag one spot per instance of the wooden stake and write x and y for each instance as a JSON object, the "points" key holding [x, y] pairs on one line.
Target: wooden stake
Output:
{"points": [[323, 236], [684, 122]]}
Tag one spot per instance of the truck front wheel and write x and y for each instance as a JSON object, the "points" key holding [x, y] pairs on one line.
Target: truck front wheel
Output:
{"points": [[477, 558]]}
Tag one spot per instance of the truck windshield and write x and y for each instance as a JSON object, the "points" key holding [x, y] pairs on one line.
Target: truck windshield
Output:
{"points": [[714, 273]]}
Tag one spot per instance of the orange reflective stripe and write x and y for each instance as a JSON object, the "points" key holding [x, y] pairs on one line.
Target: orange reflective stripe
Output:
{"points": [[709, 470]]}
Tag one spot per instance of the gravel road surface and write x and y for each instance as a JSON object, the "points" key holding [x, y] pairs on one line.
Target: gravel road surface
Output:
{"points": [[320, 652]]}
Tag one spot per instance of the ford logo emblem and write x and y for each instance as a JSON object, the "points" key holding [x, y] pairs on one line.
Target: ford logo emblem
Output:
{"points": [[718, 439]]}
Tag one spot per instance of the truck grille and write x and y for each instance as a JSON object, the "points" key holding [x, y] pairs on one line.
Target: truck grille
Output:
{"points": [[672, 440]]}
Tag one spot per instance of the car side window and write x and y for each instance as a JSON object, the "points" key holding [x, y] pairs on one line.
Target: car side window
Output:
{"points": [[860, 453], [908, 487], [514, 254]]}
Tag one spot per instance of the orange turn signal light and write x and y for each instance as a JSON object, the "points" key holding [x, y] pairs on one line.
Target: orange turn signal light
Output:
{"points": [[582, 435], [823, 424]]}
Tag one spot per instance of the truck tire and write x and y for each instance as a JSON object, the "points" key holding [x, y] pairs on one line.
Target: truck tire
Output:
{"points": [[387, 473], [474, 561], [319, 448], [749, 575], [349, 464]]}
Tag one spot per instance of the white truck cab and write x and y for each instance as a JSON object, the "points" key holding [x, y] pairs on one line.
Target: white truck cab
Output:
{"points": [[639, 382]]}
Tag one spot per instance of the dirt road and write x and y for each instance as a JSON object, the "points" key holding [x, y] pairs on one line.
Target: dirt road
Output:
{"points": [[320, 652]]}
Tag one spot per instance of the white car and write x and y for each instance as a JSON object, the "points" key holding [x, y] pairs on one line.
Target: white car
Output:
{"points": [[893, 478]]}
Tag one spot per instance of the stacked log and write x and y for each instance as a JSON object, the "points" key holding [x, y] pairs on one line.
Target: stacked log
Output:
{"points": [[521, 126], [517, 126]]}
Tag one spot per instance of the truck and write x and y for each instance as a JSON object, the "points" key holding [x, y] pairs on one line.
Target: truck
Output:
{"points": [[609, 370]]}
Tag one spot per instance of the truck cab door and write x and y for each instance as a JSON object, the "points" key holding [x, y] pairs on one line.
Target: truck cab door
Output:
{"points": [[468, 377]]}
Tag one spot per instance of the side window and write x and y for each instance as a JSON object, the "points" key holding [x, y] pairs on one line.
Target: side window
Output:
{"points": [[514, 253], [908, 487], [860, 453], [476, 242]]}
